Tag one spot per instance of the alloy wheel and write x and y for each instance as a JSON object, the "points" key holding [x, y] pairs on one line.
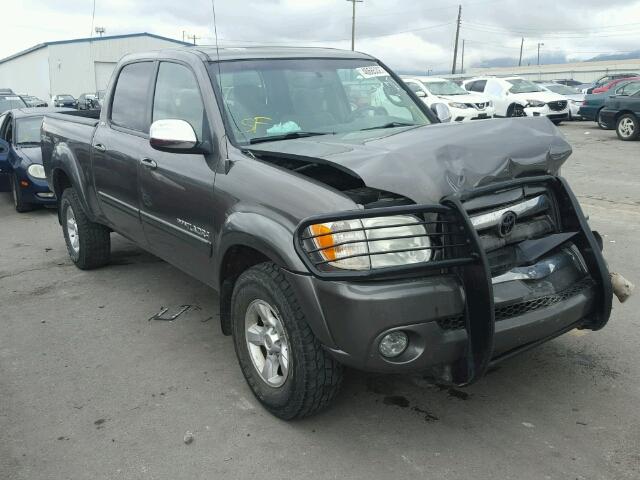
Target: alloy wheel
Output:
{"points": [[267, 343], [72, 230], [626, 127]]}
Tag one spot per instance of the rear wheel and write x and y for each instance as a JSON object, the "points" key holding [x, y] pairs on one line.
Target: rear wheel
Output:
{"points": [[18, 200], [599, 121], [284, 364], [88, 243], [628, 127]]}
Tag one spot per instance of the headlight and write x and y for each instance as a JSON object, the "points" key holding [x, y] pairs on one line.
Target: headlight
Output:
{"points": [[370, 243], [458, 105], [535, 103], [36, 171]]}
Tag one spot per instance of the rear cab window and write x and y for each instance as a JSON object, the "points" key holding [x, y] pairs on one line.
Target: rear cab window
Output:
{"points": [[130, 98]]}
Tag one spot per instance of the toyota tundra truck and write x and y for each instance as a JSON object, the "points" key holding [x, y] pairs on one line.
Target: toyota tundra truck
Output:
{"points": [[339, 220]]}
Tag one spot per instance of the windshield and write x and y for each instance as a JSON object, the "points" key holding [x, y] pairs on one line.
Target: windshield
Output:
{"points": [[291, 98], [28, 130], [520, 85], [65, 97], [9, 102], [445, 88], [562, 89]]}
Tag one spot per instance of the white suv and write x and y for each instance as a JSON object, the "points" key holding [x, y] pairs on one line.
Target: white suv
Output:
{"points": [[517, 97], [462, 105]]}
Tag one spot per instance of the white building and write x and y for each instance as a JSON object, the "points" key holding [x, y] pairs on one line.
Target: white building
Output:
{"points": [[73, 67]]}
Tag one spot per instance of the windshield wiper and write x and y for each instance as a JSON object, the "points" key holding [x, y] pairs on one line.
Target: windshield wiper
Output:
{"points": [[391, 125], [288, 136]]}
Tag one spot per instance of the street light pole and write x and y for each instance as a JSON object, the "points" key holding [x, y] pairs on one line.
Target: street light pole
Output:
{"points": [[539, 45], [353, 23]]}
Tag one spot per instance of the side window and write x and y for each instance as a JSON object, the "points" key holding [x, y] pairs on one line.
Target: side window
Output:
{"points": [[7, 130], [3, 127], [129, 108], [478, 85], [177, 96]]}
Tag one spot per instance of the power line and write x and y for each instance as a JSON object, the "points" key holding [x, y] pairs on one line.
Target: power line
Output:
{"points": [[329, 40]]}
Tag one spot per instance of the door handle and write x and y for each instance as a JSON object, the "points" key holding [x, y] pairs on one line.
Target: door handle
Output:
{"points": [[100, 147], [148, 163]]}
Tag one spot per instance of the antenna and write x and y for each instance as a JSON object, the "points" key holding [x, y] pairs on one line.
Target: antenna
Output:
{"points": [[215, 31]]}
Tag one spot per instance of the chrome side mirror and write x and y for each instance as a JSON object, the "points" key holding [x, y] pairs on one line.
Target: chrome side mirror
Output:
{"points": [[421, 94], [172, 135], [442, 112]]}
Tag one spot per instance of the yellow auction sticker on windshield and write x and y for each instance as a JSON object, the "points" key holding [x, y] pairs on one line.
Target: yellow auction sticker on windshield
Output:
{"points": [[372, 71]]}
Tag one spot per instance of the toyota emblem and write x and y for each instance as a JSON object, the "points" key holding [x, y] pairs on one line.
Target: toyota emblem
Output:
{"points": [[507, 223]]}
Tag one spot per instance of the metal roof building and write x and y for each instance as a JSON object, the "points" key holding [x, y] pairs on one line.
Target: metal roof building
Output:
{"points": [[73, 66]]}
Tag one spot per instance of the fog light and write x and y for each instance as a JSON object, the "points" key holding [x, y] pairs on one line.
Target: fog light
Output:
{"points": [[393, 344]]}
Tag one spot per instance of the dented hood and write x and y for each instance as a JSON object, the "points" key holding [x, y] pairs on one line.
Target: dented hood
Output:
{"points": [[428, 163]]}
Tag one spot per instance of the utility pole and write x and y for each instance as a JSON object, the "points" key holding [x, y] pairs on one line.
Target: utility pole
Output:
{"points": [[183, 34], [194, 38], [353, 23], [462, 62], [455, 48], [521, 45], [539, 45]]}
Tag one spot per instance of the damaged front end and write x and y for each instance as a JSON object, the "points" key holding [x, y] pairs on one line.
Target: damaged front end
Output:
{"points": [[516, 247]]}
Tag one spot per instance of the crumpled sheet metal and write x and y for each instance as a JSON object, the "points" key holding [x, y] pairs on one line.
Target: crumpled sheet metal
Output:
{"points": [[428, 163]]}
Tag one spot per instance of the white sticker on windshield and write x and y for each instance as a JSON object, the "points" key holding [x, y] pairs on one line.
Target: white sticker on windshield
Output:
{"points": [[372, 71]]}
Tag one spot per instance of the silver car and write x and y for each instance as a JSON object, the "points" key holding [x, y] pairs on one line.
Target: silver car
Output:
{"points": [[573, 95]]}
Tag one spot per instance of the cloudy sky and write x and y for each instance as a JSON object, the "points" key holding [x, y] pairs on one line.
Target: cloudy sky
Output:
{"points": [[408, 35]]}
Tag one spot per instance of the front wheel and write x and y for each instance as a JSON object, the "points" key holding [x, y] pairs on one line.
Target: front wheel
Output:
{"points": [[284, 364], [628, 127], [88, 243], [18, 200]]}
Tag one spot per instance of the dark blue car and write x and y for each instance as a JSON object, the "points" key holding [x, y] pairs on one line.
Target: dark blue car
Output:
{"points": [[21, 169], [594, 103]]}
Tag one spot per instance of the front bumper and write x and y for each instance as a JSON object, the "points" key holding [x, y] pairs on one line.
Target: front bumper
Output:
{"points": [[469, 114], [457, 320], [36, 191], [547, 112]]}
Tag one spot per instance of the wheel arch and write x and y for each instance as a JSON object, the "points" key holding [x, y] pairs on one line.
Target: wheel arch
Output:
{"points": [[625, 112]]}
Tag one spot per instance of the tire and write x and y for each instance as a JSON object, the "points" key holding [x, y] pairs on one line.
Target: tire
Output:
{"points": [[628, 127], [18, 201], [88, 243], [516, 110], [599, 121], [312, 379]]}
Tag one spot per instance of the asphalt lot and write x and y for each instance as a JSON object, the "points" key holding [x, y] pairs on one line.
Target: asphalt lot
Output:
{"points": [[90, 389]]}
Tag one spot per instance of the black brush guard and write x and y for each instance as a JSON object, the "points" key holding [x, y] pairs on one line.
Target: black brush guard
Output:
{"points": [[469, 261]]}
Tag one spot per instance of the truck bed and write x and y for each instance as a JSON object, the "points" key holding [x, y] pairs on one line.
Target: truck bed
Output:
{"points": [[85, 117]]}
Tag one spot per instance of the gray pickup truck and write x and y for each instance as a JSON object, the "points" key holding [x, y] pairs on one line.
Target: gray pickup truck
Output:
{"points": [[340, 221]]}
